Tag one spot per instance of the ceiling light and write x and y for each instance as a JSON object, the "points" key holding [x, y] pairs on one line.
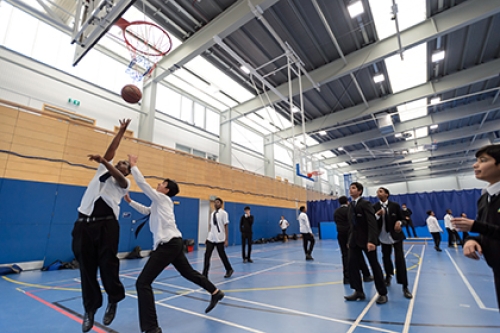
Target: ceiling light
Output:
{"points": [[245, 69], [437, 56], [295, 109], [421, 168], [435, 100], [379, 78], [355, 9], [418, 160], [322, 132], [340, 148], [398, 135], [433, 127]]}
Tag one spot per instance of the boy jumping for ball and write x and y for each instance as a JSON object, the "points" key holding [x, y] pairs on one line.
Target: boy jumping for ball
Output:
{"points": [[167, 248]]}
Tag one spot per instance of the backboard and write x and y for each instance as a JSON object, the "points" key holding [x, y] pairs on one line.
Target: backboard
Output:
{"points": [[93, 19]]}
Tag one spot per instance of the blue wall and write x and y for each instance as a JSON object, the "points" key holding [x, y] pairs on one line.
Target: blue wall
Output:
{"points": [[36, 221]]}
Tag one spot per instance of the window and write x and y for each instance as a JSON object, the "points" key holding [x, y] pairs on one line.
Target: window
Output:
{"points": [[199, 115], [187, 109], [183, 148], [213, 122], [168, 101], [247, 138], [199, 153]]}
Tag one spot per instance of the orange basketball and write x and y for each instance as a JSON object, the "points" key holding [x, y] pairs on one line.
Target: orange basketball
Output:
{"points": [[131, 94]]}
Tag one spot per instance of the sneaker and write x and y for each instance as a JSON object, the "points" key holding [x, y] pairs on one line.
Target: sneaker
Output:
{"points": [[229, 273], [214, 300], [250, 260]]}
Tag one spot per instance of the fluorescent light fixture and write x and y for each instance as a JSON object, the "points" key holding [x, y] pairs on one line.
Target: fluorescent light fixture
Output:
{"points": [[410, 72], [340, 148], [420, 168], [413, 110], [355, 8], [342, 164], [295, 109], [421, 132], [423, 159], [435, 100], [437, 56], [398, 135], [245, 69], [322, 132], [379, 78], [433, 127]]}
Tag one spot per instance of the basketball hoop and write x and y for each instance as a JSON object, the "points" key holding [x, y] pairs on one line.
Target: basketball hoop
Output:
{"points": [[314, 175], [147, 43]]}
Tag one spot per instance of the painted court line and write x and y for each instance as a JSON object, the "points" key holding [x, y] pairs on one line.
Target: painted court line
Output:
{"points": [[476, 297], [409, 313], [225, 322]]}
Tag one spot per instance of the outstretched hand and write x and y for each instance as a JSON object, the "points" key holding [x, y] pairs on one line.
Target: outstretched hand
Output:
{"points": [[124, 123], [96, 158], [127, 198], [462, 223], [132, 159]]}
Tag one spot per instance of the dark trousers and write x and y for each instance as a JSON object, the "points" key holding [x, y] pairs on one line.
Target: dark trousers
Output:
{"points": [[437, 238], [164, 255], [458, 240], [451, 237], [408, 225], [246, 238], [355, 257], [496, 275], [95, 245], [399, 258], [342, 238], [308, 243], [222, 255], [283, 232]]}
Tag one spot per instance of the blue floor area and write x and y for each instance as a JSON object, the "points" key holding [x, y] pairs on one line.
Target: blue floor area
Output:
{"points": [[279, 292]]}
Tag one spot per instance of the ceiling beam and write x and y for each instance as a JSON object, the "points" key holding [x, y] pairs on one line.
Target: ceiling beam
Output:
{"points": [[443, 23], [462, 111], [226, 23]]}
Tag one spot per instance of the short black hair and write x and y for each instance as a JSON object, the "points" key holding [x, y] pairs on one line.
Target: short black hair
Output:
{"points": [[343, 200], [492, 150], [302, 208], [429, 212], [219, 199], [358, 185], [172, 186], [403, 204], [448, 211], [385, 190], [246, 208]]}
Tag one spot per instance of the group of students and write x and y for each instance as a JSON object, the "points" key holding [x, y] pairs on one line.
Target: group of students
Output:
{"points": [[96, 232], [436, 230]]}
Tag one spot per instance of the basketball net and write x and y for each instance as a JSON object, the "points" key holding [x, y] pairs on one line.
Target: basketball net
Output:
{"points": [[147, 44]]}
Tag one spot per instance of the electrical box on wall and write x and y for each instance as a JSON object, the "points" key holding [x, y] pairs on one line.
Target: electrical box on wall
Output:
{"points": [[213, 197]]}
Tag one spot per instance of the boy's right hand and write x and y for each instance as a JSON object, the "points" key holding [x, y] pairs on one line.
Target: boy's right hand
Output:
{"points": [[472, 248], [132, 159], [124, 124], [126, 197]]}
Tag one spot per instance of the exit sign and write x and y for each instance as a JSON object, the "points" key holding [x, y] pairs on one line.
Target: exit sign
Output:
{"points": [[74, 101]]}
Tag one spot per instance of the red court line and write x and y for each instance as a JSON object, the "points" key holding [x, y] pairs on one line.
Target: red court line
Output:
{"points": [[67, 314]]}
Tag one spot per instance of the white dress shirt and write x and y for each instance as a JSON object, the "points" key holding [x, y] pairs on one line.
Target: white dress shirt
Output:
{"points": [[305, 226], [433, 224], [110, 191], [447, 221], [284, 224], [162, 219], [493, 189], [384, 237], [218, 235]]}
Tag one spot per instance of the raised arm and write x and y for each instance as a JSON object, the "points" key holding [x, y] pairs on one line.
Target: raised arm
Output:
{"points": [[137, 206], [115, 173], [141, 182], [113, 146]]}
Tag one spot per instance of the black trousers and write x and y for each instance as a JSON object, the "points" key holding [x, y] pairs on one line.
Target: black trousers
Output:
{"points": [[451, 237], [308, 243], [164, 255], [496, 275], [355, 257], [95, 245], [222, 255], [399, 258], [408, 225], [342, 238], [437, 238], [246, 238]]}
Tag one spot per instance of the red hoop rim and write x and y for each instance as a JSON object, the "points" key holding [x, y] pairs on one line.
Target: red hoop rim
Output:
{"points": [[124, 24]]}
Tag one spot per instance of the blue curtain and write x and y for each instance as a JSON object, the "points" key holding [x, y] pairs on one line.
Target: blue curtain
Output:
{"points": [[463, 201]]}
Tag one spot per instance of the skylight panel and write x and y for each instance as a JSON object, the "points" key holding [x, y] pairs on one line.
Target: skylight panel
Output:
{"points": [[410, 13], [342, 164], [418, 133], [272, 116], [410, 72], [188, 88], [256, 125], [261, 122], [413, 110]]}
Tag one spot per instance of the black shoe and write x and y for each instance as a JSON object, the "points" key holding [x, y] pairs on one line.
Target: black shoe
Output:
{"points": [[109, 315], [88, 321], [154, 330], [437, 249], [407, 293], [346, 281], [309, 257], [368, 278], [357, 295], [215, 299], [250, 260], [229, 273], [245, 261], [388, 280], [205, 274], [382, 299]]}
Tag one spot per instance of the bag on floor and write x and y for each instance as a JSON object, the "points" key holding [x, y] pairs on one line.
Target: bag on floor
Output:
{"points": [[54, 266], [10, 269], [135, 254]]}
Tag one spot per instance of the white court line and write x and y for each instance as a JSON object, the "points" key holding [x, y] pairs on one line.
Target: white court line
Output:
{"points": [[225, 322], [409, 313], [476, 297]]}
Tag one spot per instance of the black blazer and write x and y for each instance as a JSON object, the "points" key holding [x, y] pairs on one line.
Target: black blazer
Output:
{"points": [[391, 219], [366, 229], [341, 218], [487, 224], [406, 213]]}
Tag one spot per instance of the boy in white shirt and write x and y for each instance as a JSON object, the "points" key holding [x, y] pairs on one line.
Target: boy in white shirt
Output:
{"points": [[284, 225], [218, 232], [167, 248], [307, 234], [434, 229]]}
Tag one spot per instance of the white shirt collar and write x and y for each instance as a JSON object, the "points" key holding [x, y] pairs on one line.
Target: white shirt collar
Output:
{"points": [[384, 203], [492, 189]]}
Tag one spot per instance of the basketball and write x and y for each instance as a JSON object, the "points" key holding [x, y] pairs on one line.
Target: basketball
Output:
{"points": [[131, 94]]}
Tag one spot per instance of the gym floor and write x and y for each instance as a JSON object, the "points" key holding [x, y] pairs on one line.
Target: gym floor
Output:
{"points": [[279, 292]]}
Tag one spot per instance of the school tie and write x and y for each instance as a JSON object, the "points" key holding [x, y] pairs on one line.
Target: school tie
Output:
{"points": [[104, 177], [384, 206], [353, 206], [215, 220]]}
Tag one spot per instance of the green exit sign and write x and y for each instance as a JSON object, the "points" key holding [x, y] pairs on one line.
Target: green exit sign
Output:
{"points": [[74, 101]]}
